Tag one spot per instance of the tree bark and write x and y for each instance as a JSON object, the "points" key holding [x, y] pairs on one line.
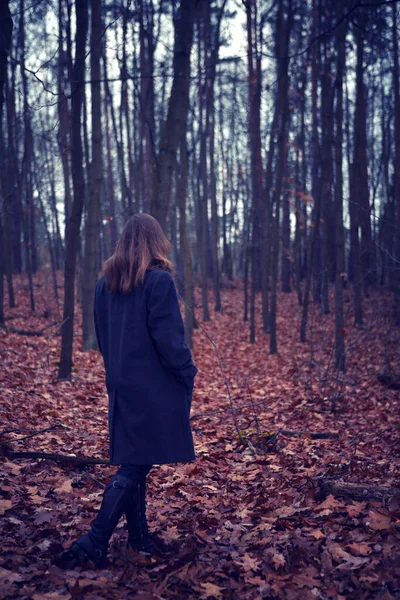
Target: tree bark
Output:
{"points": [[92, 228], [396, 86], [184, 244], [340, 359], [78, 181], [283, 30], [175, 125], [254, 94], [314, 268]]}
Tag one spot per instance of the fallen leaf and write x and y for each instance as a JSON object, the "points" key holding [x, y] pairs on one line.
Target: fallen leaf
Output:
{"points": [[346, 560], [248, 563], [43, 516], [65, 487], [8, 576], [377, 521], [317, 534], [5, 505], [171, 534], [211, 590], [355, 509], [362, 549], [329, 503], [278, 560]]}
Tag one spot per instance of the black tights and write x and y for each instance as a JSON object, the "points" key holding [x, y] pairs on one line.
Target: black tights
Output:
{"points": [[137, 473]]}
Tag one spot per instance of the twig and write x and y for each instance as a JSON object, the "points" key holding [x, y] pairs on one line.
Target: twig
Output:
{"points": [[314, 435], [31, 332], [36, 432], [56, 457]]}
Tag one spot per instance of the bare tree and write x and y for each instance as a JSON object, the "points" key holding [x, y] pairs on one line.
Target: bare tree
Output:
{"points": [[6, 26], [78, 181], [92, 226], [339, 234], [175, 125]]}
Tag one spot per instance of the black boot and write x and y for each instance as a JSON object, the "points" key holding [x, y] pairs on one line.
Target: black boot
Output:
{"points": [[139, 537], [93, 545]]}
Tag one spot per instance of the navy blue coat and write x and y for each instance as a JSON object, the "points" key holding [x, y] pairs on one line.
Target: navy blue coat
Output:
{"points": [[149, 371]]}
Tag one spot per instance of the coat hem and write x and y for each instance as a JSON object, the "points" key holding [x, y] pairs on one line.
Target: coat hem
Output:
{"points": [[152, 462]]}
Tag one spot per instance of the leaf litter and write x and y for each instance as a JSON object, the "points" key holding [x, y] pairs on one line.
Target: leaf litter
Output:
{"points": [[246, 520]]}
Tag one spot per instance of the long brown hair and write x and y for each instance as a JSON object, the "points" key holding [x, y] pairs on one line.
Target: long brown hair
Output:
{"points": [[142, 246]]}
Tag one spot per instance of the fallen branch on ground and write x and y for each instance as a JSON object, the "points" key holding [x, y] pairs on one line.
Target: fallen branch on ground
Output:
{"points": [[82, 460], [314, 435], [31, 432], [355, 490], [30, 332]]}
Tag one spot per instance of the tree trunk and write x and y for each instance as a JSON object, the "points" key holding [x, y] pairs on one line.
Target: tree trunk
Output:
{"points": [[92, 228], [63, 116], [6, 26], [175, 125], [28, 223], [78, 182], [396, 85], [184, 244], [254, 94], [14, 179], [146, 98], [283, 30], [340, 359], [360, 196], [313, 259]]}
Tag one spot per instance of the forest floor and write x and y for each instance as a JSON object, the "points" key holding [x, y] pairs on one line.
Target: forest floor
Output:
{"points": [[245, 520]]}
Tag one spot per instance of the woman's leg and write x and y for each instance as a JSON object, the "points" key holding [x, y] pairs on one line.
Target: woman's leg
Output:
{"points": [[139, 537], [122, 489], [138, 534]]}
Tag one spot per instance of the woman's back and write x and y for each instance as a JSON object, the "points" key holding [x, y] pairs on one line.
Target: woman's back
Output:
{"points": [[149, 371], [121, 324]]}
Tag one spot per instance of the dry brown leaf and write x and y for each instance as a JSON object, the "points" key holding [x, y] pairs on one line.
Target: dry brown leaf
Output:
{"points": [[5, 505], [278, 560], [378, 521], [64, 487], [346, 560], [248, 562], [211, 590], [317, 534], [362, 548], [330, 503]]}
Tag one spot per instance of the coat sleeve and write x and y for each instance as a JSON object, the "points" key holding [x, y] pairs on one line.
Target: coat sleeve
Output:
{"points": [[167, 330]]}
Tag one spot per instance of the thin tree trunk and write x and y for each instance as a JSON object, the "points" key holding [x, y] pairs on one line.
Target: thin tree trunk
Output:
{"points": [[314, 241], [13, 174], [360, 172], [184, 245], [396, 86], [6, 26], [28, 218], [78, 181], [254, 93], [92, 228], [340, 359], [7, 185], [283, 30], [146, 97], [63, 116]]}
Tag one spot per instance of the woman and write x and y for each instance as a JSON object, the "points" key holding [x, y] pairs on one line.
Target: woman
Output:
{"points": [[149, 378]]}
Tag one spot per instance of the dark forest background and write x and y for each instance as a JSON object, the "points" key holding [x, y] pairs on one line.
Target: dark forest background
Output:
{"points": [[264, 135]]}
